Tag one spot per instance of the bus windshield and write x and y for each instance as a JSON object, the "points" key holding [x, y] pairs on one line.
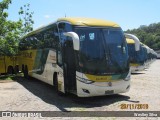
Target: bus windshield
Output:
{"points": [[141, 55], [136, 56], [132, 53], [102, 51]]}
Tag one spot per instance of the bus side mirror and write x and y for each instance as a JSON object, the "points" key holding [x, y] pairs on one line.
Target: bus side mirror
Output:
{"points": [[137, 42], [75, 39]]}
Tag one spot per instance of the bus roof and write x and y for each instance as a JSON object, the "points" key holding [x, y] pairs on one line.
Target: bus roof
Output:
{"points": [[89, 22], [80, 22], [130, 41]]}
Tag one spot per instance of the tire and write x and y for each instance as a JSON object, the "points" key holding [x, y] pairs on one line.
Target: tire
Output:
{"points": [[16, 69], [22, 68], [26, 72], [10, 70]]}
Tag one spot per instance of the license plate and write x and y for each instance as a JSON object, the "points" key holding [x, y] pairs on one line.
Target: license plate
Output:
{"points": [[109, 92]]}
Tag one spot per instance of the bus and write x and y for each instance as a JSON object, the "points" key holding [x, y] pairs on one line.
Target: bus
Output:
{"points": [[83, 56], [136, 53], [8, 65], [140, 55], [151, 56]]}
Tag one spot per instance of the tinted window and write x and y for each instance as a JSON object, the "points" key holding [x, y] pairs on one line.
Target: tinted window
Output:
{"points": [[44, 39]]}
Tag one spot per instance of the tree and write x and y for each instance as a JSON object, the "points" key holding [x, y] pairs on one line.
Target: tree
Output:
{"points": [[149, 35], [26, 17], [11, 32]]}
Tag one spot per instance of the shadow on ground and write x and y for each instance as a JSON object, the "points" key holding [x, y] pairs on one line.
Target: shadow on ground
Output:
{"points": [[48, 94]]}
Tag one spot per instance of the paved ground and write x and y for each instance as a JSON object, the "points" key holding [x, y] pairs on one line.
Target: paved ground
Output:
{"points": [[33, 95]]}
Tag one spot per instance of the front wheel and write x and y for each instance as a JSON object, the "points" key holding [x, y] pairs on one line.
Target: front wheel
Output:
{"points": [[16, 69], [10, 70]]}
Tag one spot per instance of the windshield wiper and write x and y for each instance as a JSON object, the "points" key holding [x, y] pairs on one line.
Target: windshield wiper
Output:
{"points": [[114, 61]]}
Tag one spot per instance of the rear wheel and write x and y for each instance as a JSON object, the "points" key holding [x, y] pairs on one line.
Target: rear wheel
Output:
{"points": [[25, 72], [22, 68], [10, 70], [16, 69]]}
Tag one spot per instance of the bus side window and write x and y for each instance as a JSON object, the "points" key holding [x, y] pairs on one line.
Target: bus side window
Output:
{"points": [[23, 45], [28, 43], [51, 38], [55, 37], [40, 43], [61, 27], [58, 33], [33, 42]]}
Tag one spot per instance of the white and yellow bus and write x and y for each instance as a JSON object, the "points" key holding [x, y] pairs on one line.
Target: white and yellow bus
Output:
{"points": [[151, 56], [83, 56], [140, 55], [137, 53]]}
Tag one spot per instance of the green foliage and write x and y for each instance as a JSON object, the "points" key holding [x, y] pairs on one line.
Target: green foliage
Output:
{"points": [[149, 35], [4, 5], [26, 19], [11, 31]]}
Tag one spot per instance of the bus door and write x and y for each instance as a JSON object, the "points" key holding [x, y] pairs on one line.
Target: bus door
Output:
{"points": [[68, 58], [69, 66]]}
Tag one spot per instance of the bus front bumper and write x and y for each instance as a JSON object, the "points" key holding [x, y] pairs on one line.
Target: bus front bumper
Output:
{"points": [[135, 69], [102, 88]]}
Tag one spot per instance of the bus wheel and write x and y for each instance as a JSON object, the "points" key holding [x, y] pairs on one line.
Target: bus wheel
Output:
{"points": [[16, 69], [22, 69], [25, 72], [10, 70]]}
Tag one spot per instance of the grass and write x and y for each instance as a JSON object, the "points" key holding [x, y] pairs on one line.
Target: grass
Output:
{"points": [[7, 77]]}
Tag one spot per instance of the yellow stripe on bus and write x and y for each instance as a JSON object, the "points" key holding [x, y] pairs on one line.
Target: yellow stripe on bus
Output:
{"points": [[134, 64], [99, 78], [28, 58]]}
